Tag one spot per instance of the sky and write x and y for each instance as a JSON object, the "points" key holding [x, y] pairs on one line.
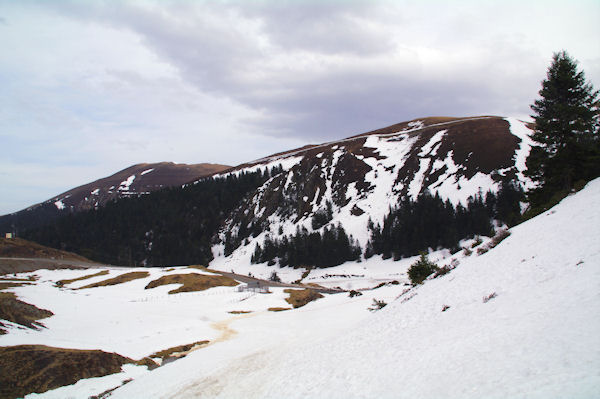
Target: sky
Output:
{"points": [[91, 87]]}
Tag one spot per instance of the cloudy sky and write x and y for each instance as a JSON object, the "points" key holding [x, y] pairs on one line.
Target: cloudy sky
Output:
{"points": [[91, 87]]}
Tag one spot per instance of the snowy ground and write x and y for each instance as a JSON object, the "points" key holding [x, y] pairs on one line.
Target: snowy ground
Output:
{"points": [[538, 336]]}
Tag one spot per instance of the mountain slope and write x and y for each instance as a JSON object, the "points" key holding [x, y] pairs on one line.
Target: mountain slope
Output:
{"points": [[130, 182], [537, 337], [331, 191], [361, 177]]}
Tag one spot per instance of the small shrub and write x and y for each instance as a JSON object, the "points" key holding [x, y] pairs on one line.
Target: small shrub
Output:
{"points": [[491, 296], [274, 277], [377, 305], [440, 271], [421, 269], [354, 293], [501, 235], [467, 252], [478, 241], [445, 307]]}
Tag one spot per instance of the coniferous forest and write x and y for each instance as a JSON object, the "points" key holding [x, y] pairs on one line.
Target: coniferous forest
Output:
{"points": [[408, 229], [180, 225], [429, 222], [172, 226], [331, 248]]}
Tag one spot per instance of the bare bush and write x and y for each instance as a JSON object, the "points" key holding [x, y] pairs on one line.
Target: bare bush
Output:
{"points": [[491, 296]]}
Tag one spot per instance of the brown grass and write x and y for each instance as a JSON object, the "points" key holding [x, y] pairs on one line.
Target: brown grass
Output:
{"points": [[146, 361], [123, 278], [204, 268], [239, 311], [64, 282], [25, 314], [30, 278], [19, 248], [299, 298], [16, 265], [278, 309], [179, 351], [26, 369], [192, 282], [4, 286]]}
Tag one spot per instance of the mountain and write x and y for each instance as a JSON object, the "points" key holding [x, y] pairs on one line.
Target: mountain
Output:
{"points": [[341, 198], [130, 182], [357, 180]]}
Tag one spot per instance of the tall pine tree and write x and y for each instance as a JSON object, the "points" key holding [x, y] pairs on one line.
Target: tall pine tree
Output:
{"points": [[566, 127]]}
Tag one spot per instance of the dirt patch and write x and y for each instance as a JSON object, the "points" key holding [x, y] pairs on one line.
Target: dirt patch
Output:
{"points": [[299, 298], [192, 282], [146, 361], [65, 282], [276, 309], [226, 331], [239, 311], [123, 278], [204, 268], [19, 248], [19, 312], [180, 351], [26, 369], [16, 265], [4, 286], [30, 278]]}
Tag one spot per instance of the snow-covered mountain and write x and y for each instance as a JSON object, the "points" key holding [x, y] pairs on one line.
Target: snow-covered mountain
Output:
{"points": [[132, 181], [332, 190], [361, 177]]}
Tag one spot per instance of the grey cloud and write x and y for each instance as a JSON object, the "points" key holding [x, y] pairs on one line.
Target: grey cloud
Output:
{"points": [[216, 55], [320, 26]]}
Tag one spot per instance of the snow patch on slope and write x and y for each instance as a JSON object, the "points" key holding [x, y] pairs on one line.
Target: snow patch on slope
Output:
{"points": [[538, 337], [519, 128], [125, 184]]}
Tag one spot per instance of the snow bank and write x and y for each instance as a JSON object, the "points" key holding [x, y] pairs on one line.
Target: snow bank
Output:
{"points": [[538, 335]]}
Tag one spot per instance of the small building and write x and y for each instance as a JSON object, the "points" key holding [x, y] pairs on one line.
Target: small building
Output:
{"points": [[9, 236], [254, 286]]}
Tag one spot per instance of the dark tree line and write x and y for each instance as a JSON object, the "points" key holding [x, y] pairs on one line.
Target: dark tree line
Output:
{"points": [[170, 226], [429, 222], [331, 248]]}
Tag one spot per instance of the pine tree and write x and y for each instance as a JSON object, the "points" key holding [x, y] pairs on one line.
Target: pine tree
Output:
{"points": [[567, 122]]}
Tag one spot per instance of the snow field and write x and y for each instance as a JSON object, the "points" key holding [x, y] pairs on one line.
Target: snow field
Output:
{"points": [[538, 337], [126, 318]]}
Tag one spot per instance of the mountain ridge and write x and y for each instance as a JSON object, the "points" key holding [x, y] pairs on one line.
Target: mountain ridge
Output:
{"points": [[338, 188], [138, 179]]}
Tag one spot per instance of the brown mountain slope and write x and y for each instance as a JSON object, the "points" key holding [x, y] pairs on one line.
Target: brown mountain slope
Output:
{"points": [[137, 179], [19, 248], [130, 182]]}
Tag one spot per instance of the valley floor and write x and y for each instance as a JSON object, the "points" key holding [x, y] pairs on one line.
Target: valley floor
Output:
{"points": [[519, 320]]}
